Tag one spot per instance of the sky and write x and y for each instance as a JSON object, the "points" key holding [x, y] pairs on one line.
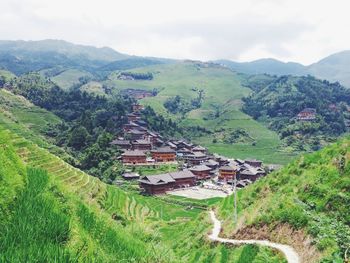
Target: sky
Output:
{"points": [[241, 30]]}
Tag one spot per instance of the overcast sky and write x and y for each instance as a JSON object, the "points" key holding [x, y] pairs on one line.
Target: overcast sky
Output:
{"points": [[242, 30]]}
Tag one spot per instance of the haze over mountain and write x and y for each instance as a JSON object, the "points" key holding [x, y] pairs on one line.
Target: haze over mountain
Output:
{"points": [[23, 56], [335, 67]]}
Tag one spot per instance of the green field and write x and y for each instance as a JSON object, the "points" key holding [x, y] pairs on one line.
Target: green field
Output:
{"points": [[223, 93], [69, 77]]}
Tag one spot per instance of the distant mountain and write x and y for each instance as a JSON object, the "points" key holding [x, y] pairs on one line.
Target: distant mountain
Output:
{"points": [[23, 56], [266, 65], [335, 67]]}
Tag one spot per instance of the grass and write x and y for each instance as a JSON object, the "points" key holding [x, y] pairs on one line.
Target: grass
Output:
{"points": [[38, 227], [158, 169], [105, 222], [69, 77], [311, 193]]}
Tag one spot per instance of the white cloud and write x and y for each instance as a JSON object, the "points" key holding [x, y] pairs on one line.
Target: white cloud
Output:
{"points": [[295, 30]]}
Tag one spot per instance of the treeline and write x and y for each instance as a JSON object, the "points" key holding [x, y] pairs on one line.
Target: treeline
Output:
{"points": [[178, 104], [137, 76], [281, 100]]}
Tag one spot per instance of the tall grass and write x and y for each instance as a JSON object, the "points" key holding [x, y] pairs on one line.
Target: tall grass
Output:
{"points": [[37, 227]]}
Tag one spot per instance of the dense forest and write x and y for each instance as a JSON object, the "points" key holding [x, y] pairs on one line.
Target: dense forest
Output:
{"points": [[279, 102]]}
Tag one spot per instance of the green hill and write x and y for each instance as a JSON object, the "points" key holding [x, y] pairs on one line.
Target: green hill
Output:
{"points": [[64, 214], [219, 113], [306, 205]]}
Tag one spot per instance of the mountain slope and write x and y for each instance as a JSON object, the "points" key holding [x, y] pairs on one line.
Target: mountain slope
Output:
{"points": [[268, 65], [219, 113], [23, 56], [304, 205], [335, 67]]}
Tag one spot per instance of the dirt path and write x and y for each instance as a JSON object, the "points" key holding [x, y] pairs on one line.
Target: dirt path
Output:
{"points": [[289, 252]]}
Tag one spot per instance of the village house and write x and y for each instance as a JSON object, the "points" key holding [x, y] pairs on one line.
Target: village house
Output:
{"points": [[133, 117], [250, 173], [141, 123], [136, 135], [253, 162], [227, 173], [130, 126], [164, 154], [123, 144], [307, 114], [183, 178], [130, 176], [183, 151], [200, 149], [195, 158], [172, 145], [157, 184], [183, 144], [137, 107], [201, 172], [211, 164], [160, 184], [142, 145], [133, 157]]}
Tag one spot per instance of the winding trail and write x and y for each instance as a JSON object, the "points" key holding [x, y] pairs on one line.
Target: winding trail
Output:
{"points": [[289, 252]]}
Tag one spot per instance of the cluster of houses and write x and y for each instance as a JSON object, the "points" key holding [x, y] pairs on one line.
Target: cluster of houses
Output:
{"points": [[142, 146]]}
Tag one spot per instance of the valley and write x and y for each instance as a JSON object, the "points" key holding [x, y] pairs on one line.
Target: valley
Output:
{"points": [[110, 158]]}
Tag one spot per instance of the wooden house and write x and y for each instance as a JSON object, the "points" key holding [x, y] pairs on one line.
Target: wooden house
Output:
{"points": [[227, 173], [200, 149], [250, 173], [133, 117], [195, 158], [137, 107], [307, 114], [183, 178], [136, 135], [160, 184], [130, 126], [131, 176], [133, 157], [253, 162], [142, 145], [201, 172], [164, 154], [157, 184], [123, 144]]}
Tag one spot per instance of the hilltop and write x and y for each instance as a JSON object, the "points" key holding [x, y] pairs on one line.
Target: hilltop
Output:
{"points": [[332, 68]]}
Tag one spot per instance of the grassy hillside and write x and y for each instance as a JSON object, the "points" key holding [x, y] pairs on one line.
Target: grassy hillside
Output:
{"points": [[220, 110], [69, 77], [90, 221], [304, 205]]}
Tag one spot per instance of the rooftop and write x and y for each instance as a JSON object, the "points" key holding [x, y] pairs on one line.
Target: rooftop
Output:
{"points": [[134, 153], [157, 179], [199, 168], [164, 150]]}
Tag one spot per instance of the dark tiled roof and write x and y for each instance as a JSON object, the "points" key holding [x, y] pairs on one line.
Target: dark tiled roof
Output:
{"points": [[199, 168], [134, 153], [163, 150], [159, 179], [182, 174]]}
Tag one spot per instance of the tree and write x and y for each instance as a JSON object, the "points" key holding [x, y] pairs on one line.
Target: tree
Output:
{"points": [[78, 138]]}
